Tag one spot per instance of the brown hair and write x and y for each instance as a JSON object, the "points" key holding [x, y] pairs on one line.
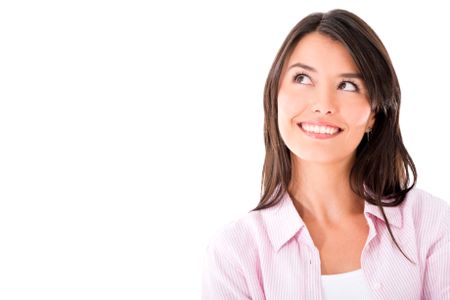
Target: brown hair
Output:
{"points": [[382, 166]]}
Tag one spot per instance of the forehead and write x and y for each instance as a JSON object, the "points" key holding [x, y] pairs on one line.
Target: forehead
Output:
{"points": [[323, 54]]}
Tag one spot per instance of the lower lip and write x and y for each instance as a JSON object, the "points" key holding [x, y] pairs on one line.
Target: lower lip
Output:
{"points": [[321, 136]]}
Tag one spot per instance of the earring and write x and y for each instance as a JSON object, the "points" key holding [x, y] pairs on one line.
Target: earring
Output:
{"points": [[368, 133]]}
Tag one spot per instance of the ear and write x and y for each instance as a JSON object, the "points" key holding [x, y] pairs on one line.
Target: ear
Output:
{"points": [[371, 121]]}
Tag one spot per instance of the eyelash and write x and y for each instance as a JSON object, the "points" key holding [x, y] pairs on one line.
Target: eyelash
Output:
{"points": [[347, 80]]}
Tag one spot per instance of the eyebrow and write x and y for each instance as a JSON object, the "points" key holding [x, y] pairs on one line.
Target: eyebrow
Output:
{"points": [[348, 75]]}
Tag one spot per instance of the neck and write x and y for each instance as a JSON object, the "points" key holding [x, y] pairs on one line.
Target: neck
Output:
{"points": [[322, 193]]}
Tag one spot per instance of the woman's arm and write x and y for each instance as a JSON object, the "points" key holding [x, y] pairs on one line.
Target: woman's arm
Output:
{"points": [[437, 270], [222, 277]]}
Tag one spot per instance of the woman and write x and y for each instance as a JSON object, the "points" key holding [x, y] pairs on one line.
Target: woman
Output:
{"points": [[338, 216]]}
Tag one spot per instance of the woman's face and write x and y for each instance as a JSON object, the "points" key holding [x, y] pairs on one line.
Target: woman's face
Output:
{"points": [[323, 107]]}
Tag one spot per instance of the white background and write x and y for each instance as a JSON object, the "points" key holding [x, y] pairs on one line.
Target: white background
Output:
{"points": [[131, 131]]}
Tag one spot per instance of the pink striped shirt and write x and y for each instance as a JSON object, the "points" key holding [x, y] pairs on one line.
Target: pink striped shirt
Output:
{"points": [[269, 254]]}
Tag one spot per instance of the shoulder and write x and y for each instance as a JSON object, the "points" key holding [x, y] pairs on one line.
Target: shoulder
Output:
{"points": [[240, 235], [232, 268], [422, 204], [427, 214]]}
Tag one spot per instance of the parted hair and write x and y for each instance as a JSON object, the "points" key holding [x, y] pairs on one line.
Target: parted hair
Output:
{"points": [[383, 171]]}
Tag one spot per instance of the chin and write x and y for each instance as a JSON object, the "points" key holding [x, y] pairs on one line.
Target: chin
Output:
{"points": [[320, 158]]}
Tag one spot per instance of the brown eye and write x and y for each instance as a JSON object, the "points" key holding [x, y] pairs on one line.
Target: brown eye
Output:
{"points": [[302, 79], [348, 86]]}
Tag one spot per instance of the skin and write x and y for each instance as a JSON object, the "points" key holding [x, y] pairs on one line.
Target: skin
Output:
{"points": [[320, 183]]}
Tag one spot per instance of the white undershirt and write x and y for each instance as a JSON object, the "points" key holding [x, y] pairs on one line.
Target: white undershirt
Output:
{"points": [[349, 285]]}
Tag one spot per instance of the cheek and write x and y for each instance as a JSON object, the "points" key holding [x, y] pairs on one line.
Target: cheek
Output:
{"points": [[357, 114], [290, 105]]}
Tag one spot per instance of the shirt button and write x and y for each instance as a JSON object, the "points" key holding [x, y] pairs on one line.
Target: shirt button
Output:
{"points": [[376, 285]]}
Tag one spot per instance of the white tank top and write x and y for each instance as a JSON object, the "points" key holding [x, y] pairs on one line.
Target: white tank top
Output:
{"points": [[349, 285]]}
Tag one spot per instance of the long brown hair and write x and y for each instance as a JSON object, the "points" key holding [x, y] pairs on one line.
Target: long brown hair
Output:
{"points": [[382, 168]]}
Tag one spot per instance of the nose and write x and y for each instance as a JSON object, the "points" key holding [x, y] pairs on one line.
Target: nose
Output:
{"points": [[324, 103]]}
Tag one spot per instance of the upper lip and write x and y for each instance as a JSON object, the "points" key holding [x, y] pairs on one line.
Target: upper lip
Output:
{"points": [[319, 123]]}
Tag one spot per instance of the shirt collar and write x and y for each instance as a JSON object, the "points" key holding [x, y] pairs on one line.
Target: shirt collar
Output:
{"points": [[393, 213], [283, 221]]}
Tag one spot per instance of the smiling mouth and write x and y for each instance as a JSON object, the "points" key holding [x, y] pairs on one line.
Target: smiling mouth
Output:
{"points": [[324, 130]]}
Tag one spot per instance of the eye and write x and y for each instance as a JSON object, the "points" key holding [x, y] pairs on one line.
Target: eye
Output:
{"points": [[302, 78], [349, 86]]}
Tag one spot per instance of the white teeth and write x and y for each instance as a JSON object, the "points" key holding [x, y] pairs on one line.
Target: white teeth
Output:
{"points": [[320, 129]]}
